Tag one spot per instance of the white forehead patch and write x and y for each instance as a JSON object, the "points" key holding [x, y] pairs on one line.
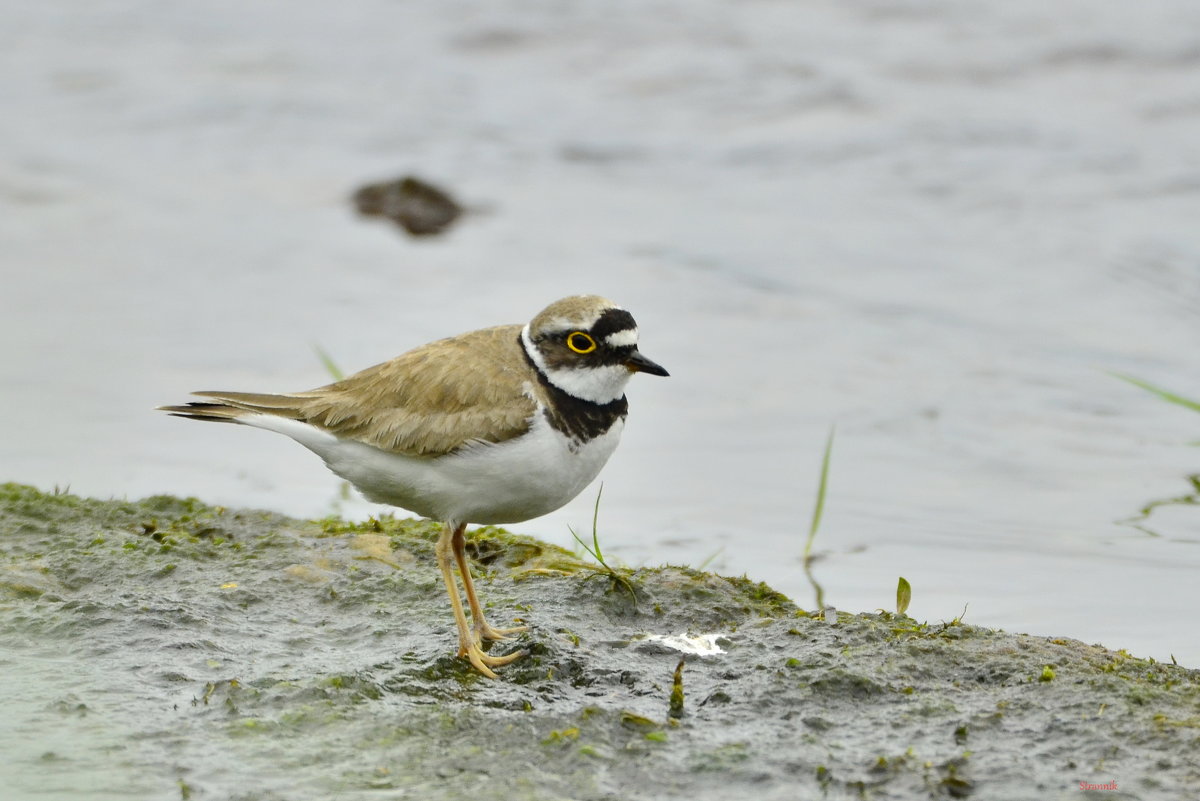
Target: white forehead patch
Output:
{"points": [[556, 324], [559, 324], [576, 312], [622, 339]]}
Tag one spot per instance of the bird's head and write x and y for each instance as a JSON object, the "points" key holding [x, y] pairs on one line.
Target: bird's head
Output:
{"points": [[587, 346]]}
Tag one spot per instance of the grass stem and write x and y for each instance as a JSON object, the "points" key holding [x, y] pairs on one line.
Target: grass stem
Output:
{"points": [[594, 549], [818, 511]]}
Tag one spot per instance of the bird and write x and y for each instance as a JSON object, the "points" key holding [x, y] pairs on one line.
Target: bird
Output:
{"points": [[495, 426]]}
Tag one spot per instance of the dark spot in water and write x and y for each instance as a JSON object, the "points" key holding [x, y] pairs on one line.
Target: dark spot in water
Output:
{"points": [[419, 207]]}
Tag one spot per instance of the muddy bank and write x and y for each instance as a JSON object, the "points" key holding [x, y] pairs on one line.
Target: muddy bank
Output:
{"points": [[164, 648]]}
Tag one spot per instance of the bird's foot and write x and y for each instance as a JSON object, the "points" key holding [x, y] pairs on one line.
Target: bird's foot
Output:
{"points": [[484, 662], [483, 631]]}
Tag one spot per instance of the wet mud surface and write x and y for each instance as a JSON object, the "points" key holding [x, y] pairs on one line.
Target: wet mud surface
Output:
{"points": [[164, 648]]}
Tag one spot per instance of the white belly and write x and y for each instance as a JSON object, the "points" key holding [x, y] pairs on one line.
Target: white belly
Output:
{"points": [[507, 482]]}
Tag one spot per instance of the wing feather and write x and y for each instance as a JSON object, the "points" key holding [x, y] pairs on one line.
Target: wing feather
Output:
{"points": [[427, 402]]}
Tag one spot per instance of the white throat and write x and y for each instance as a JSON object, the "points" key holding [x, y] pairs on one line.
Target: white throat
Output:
{"points": [[596, 384]]}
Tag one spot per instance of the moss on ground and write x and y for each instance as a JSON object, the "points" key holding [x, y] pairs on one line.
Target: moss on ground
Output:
{"points": [[165, 647]]}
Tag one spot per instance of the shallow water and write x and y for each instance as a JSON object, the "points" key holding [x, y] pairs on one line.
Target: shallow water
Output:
{"points": [[935, 225]]}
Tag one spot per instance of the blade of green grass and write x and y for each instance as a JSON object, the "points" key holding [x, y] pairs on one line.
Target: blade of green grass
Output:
{"points": [[595, 552], [330, 366], [595, 527], [711, 558], [818, 511], [1166, 395], [903, 595], [586, 548]]}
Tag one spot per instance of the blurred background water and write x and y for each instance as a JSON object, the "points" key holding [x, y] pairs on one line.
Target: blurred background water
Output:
{"points": [[936, 224]]}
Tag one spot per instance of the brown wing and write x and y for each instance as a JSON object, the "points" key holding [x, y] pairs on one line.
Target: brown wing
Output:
{"points": [[426, 402]]}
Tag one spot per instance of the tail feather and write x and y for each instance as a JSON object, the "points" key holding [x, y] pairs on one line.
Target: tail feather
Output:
{"points": [[227, 407], [213, 412], [278, 405]]}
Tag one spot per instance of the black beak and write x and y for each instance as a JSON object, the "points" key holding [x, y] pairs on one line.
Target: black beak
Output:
{"points": [[640, 364]]}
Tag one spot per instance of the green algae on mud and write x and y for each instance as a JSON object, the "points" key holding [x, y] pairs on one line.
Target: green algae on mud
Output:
{"points": [[165, 648]]}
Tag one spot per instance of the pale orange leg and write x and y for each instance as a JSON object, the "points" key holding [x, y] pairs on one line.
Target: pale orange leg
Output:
{"points": [[483, 631], [468, 645]]}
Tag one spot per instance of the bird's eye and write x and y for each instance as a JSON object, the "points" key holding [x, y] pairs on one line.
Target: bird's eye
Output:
{"points": [[581, 342]]}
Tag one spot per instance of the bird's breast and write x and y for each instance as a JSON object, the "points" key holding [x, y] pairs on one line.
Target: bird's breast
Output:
{"points": [[528, 476], [481, 482]]}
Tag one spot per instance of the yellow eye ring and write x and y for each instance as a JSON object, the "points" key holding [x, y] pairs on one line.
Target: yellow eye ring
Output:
{"points": [[581, 342]]}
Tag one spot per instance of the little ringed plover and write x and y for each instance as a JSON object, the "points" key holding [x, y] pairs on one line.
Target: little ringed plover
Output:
{"points": [[493, 426]]}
